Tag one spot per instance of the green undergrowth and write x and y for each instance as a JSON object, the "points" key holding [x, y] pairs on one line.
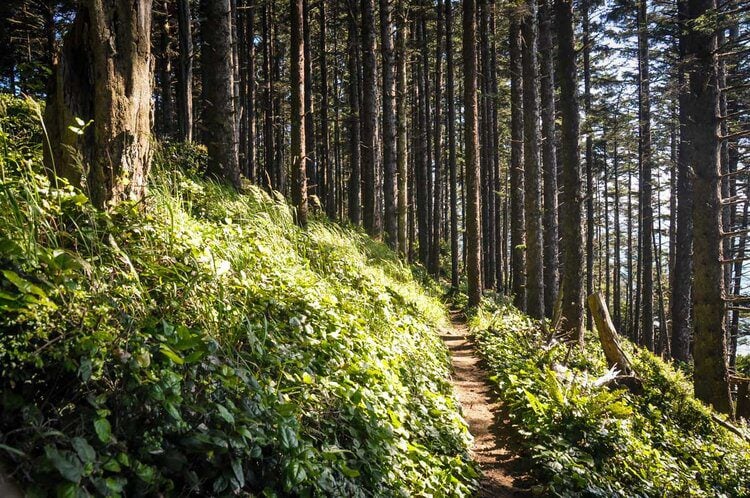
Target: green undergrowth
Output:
{"points": [[199, 343], [586, 439]]}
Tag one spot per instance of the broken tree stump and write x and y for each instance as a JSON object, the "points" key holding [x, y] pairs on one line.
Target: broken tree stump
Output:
{"points": [[608, 335]]}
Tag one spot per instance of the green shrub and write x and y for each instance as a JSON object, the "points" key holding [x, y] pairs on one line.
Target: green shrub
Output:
{"points": [[589, 440], [200, 343]]}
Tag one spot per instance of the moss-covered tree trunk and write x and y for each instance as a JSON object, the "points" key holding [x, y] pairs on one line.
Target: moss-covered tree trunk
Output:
{"points": [[219, 122], [471, 141], [103, 75], [703, 149], [532, 166], [297, 104], [571, 199], [517, 232]]}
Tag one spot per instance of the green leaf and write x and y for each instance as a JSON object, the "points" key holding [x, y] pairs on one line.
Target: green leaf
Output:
{"points": [[66, 490], [288, 438], [536, 405], [238, 474], [349, 472], [224, 413], [145, 472], [169, 353], [66, 463], [103, 430], [85, 452]]}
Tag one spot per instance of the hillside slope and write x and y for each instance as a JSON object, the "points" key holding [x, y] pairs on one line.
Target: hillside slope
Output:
{"points": [[587, 437], [201, 343]]}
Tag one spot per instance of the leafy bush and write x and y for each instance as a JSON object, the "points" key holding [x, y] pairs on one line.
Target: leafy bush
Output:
{"points": [[589, 440], [200, 343]]}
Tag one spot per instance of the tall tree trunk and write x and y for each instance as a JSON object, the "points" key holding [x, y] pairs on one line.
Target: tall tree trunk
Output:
{"points": [[617, 297], [703, 149], [549, 159], [570, 211], [311, 162], [471, 140], [646, 208], [437, 203], [104, 75], [389, 125], [517, 229], [164, 64], [326, 182], [217, 67], [452, 144], [250, 161], [297, 83], [401, 139], [355, 177], [585, 4], [369, 117], [683, 267], [268, 176], [532, 167]]}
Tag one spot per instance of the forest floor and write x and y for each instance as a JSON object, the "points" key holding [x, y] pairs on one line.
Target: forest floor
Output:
{"points": [[503, 470]]}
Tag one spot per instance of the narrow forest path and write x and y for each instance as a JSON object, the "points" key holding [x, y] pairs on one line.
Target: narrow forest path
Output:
{"points": [[499, 464]]}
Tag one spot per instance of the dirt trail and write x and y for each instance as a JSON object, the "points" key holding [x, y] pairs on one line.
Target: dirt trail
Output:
{"points": [[501, 466]]}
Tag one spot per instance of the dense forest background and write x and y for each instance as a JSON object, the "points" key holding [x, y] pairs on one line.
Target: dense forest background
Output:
{"points": [[231, 232]]}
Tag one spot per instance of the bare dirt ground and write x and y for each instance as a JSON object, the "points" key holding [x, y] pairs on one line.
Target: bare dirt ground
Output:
{"points": [[503, 473]]}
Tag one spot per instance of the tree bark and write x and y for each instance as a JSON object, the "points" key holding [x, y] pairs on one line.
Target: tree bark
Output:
{"points": [[368, 117], [646, 208], [452, 144], [355, 178], [532, 167], [549, 159], [703, 150], [437, 196], [389, 125], [517, 229], [217, 67], [683, 268], [104, 75], [297, 83], [586, 41], [401, 138], [570, 211], [471, 137]]}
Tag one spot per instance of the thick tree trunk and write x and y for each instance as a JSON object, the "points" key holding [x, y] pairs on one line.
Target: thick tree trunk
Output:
{"points": [[389, 125], [217, 67], [585, 4], [452, 144], [532, 167], [683, 267], [267, 177], [311, 162], [549, 159], [646, 208], [104, 75], [401, 138], [617, 297], [471, 140], [355, 178], [570, 209], [250, 161], [369, 117], [437, 203], [326, 175], [297, 104], [165, 117], [517, 229], [702, 155]]}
